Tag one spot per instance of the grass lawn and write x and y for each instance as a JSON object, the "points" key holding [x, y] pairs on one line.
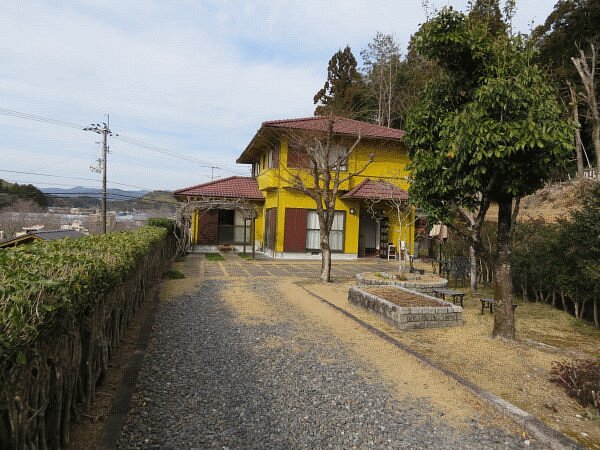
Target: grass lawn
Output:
{"points": [[214, 257], [245, 255], [519, 372]]}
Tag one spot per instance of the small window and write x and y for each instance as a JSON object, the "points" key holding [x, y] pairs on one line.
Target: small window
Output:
{"points": [[297, 157], [273, 159], [336, 236], [336, 152]]}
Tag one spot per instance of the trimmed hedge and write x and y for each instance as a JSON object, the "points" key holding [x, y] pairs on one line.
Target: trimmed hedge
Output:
{"points": [[163, 222], [63, 308]]}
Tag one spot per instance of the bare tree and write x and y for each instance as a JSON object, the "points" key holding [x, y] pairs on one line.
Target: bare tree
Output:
{"points": [[586, 68], [322, 178], [382, 60], [578, 143]]}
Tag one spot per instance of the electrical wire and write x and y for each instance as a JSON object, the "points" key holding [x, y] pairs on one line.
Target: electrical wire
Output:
{"points": [[22, 115], [73, 178], [128, 140]]}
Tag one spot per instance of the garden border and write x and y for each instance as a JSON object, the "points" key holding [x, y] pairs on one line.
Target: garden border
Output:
{"points": [[535, 427]]}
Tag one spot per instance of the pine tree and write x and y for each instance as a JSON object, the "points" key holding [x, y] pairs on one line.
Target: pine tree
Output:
{"points": [[344, 91]]}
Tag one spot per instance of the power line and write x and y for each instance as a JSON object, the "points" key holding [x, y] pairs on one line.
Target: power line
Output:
{"points": [[72, 178], [154, 148], [22, 115], [132, 141]]}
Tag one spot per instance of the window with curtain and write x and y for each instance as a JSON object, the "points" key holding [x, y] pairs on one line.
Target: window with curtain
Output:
{"points": [[336, 237], [335, 152]]}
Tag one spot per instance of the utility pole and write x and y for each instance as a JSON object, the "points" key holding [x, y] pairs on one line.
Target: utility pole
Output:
{"points": [[104, 130]]}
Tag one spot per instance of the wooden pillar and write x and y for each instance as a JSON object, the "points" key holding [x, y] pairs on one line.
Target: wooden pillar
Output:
{"points": [[245, 223], [253, 236]]}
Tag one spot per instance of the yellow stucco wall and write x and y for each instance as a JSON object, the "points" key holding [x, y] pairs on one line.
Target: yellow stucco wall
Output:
{"points": [[389, 163]]}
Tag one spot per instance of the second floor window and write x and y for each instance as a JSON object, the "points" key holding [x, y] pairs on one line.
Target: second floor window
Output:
{"points": [[273, 159], [298, 157]]}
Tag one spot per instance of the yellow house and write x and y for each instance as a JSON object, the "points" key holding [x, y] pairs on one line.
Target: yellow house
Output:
{"points": [[371, 211]]}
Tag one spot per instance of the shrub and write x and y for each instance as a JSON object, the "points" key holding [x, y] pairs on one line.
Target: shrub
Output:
{"points": [[581, 379], [163, 222], [173, 275]]}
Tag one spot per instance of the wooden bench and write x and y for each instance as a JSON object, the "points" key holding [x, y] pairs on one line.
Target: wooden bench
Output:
{"points": [[456, 296], [489, 304]]}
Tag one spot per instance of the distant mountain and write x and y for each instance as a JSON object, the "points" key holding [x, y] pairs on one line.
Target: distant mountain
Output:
{"points": [[10, 193], [78, 191]]}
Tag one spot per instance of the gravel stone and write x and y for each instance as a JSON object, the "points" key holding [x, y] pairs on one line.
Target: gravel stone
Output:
{"points": [[211, 381]]}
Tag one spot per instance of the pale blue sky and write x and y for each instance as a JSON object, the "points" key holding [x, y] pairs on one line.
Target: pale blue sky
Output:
{"points": [[194, 77]]}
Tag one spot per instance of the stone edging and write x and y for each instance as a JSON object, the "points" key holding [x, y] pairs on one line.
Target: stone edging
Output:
{"points": [[445, 314], [535, 427], [424, 287]]}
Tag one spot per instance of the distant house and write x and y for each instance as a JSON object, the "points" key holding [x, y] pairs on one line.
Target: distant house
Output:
{"points": [[287, 224], [50, 235]]}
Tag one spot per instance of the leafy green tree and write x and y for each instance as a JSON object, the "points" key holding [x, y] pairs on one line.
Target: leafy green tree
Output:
{"points": [[344, 92], [571, 28], [580, 238], [488, 128]]}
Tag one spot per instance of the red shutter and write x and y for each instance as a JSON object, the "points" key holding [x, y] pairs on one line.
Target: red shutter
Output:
{"points": [[294, 238]]}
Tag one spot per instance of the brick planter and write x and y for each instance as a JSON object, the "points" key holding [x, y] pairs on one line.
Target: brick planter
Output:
{"points": [[387, 279], [444, 315]]}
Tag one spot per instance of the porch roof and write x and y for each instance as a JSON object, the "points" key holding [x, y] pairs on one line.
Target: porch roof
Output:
{"points": [[231, 187], [377, 189]]}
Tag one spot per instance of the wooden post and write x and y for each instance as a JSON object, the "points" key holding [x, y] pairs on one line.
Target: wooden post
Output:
{"points": [[245, 223], [253, 236]]}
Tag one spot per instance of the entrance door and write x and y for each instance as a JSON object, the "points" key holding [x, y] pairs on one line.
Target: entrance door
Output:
{"points": [[368, 230], [226, 223]]}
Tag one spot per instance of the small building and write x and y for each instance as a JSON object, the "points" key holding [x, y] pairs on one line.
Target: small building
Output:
{"points": [[49, 235], [365, 221]]}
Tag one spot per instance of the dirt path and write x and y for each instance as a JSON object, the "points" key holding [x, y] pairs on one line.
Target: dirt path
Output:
{"points": [[250, 360]]}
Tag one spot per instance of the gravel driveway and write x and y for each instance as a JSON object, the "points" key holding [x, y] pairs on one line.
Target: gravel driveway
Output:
{"points": [[270, 378]]}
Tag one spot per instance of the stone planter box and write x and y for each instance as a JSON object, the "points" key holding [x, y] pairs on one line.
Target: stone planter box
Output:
{"points": [[387, 279], [444, 315]]}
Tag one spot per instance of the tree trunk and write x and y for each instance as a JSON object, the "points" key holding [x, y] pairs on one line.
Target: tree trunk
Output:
{"points": [[578, 144], [596, 321], [576, 304], [325, 261], [473, 261], [504, 318], [582, 310], [564, 302]]}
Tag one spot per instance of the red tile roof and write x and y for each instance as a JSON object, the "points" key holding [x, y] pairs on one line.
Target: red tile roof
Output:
{"points": [[377, 189], [231, 187], [341, 125]]}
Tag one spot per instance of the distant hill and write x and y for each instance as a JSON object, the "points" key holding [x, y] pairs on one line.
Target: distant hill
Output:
{"points": [[10, 193], [78, 191]]}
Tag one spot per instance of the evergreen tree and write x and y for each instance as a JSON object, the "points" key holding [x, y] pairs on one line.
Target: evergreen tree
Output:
{"points": [[343, 94], [488, 12]]}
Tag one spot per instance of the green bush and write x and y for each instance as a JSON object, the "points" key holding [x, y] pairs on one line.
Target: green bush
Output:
{"points": [[46, 284], [214, 257], [163, 222], [173, 275]]}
